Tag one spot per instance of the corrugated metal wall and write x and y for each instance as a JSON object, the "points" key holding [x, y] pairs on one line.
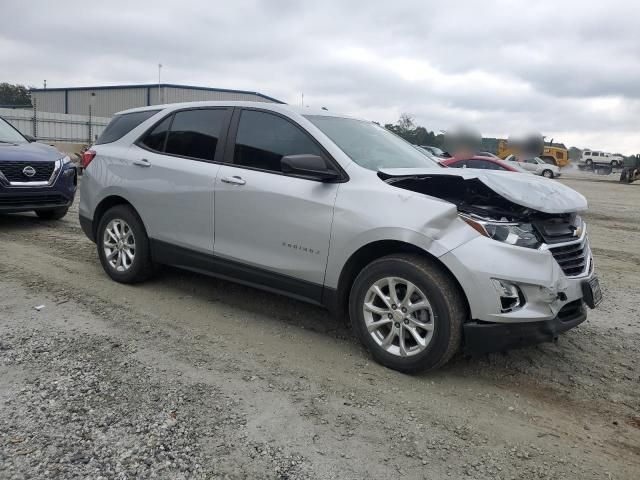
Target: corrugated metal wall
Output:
{"points": [[52, 101], [55, 127], [107, 101], [177, 95]]}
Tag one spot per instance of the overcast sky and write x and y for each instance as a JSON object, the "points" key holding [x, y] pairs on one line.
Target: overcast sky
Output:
{"points": [[570, 69]]}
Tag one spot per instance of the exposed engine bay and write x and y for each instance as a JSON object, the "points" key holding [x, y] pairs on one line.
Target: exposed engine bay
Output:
{"points": [[474, 198]]}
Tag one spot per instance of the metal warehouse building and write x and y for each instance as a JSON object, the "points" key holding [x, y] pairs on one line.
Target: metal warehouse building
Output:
{"points": [[107, 100]]}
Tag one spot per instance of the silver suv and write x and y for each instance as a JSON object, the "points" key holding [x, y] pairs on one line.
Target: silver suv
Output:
{"points": [[340, 212]]}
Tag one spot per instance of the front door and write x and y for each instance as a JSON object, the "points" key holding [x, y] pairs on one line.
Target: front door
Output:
{"points": [[277, 226]]}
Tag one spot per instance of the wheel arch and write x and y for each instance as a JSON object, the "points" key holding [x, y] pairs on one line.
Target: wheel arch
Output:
{"points": [[339, 301], [104, 205]]}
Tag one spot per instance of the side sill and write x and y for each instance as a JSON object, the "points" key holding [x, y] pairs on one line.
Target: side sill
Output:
{"points": [[168, 254]]}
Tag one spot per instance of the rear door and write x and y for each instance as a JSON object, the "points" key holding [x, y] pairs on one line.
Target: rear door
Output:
{"points": [[173, 176], [273, 227], [530, 164]]}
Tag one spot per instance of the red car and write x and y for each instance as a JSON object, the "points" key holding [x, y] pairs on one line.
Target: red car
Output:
{"points": [[484, 163]]}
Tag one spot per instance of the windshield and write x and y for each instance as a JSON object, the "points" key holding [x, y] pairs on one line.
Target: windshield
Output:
{"points": [[370, 145], [8, 134]]}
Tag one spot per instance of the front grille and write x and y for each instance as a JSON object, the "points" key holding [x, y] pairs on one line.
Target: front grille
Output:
{"points": [[12, 171], [572, 258], [558, 229], [21, 200]]}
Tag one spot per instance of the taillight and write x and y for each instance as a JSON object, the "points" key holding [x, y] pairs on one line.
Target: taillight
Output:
{"points": [[87, 157]]}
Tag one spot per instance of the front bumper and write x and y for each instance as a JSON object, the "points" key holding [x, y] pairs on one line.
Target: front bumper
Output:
{"points": [[553, 301], [482, 337], [25, 198]]}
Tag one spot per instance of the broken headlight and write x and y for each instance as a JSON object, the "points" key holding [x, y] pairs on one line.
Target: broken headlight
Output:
{"points": [[520, 234]]}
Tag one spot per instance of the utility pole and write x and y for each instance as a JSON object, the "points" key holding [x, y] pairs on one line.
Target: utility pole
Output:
{"points": [[45, 84], [302, 101], [159, 73], [91, 101]]}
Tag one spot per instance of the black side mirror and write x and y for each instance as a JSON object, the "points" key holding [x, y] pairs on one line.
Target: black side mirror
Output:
{"points": [[313, 167], [29, 138]]}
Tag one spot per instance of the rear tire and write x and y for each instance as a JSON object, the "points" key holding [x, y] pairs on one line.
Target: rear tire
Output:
{"points": [[123, 245], [547, 174], [614, 163], [55, 214], [374, 319], [589, 163]]}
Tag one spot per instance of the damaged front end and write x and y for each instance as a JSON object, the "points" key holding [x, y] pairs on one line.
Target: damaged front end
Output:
{"points": [[529, 272], [497, 216]]}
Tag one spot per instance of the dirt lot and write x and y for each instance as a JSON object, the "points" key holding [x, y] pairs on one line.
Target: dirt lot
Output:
{"points": [[191, 377]]}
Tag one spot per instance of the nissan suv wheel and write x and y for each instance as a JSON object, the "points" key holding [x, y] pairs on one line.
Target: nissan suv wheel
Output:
{"points": [[123, 245], [407, 312]]}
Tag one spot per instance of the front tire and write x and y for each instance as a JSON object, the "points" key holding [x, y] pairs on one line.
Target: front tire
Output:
{"points": [[547, 174], [407, 312], [123, 245], [55, 214]]}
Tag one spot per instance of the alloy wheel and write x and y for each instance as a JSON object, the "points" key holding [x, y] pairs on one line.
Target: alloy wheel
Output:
{"points": [[119, 245], [398, 316]]}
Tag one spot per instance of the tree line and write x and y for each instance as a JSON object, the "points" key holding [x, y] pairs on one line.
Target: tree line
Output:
{"points": [[14, 95]]}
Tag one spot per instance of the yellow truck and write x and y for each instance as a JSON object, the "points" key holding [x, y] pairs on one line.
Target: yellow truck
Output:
{"points": [[555, 153]]}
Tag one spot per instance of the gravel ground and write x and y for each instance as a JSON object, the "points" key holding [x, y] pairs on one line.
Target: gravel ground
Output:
{"points": [[191, 377]]}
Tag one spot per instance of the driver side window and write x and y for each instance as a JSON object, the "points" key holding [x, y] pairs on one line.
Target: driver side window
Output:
{"points": [[263, 139]]}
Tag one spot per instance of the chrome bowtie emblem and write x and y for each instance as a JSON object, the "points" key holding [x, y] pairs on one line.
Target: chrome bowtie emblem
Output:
{"points": [[29, 171]]}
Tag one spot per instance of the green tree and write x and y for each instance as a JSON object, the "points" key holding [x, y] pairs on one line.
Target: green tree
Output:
{"points": [[406, 128], [18, 95]]}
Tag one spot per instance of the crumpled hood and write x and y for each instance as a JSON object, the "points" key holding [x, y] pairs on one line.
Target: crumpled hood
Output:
{"points": [[529, 191], [28, 152]]}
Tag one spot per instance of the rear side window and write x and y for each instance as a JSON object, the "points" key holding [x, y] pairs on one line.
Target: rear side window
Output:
{"points": [[156, 138], [263, 139], [195, 133], [587, 153], [122, 124]]}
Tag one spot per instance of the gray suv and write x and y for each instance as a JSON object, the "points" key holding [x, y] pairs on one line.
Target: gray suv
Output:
{"points": [[339, 212]]}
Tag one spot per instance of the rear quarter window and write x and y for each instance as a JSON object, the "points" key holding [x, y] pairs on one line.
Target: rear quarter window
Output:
{"points": [[122, 124]]}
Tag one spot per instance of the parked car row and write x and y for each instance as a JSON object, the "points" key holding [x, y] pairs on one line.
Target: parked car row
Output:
{"points": [[424, 261]]}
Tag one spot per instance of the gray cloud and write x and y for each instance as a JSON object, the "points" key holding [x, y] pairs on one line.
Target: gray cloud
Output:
{"points": [[570, 69]]}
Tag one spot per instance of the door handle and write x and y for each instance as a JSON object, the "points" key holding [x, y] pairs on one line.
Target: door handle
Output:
{"points": [[235, 180], [142, 162]]}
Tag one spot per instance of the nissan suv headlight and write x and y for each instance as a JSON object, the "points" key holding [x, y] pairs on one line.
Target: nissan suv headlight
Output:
{"points": [[519, 234]]}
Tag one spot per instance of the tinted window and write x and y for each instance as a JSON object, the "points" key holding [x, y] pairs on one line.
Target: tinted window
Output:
{"points": [[120, 125], [587, 153], [263, 139], [195, 133], [484, 164], [155, 139]]}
